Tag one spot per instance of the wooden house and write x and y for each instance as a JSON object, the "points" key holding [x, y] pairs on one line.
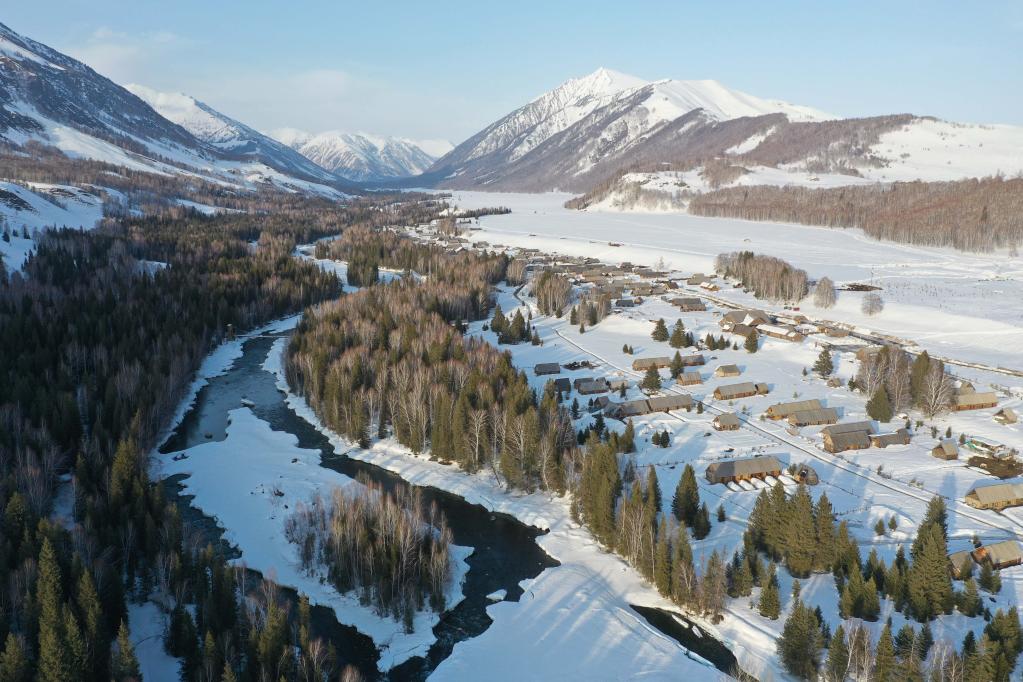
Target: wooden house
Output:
{"points": [[733, 470], [727, 371], [689, 304], [689, 379], [1006, 416], [780, 332], [545, 368], [960, 564], [667, 403], [974, 401], [563, 385], [946, 449], [744, 389], [998, 496], [848, 436], [643, 364], [727, 422], [1000, 554], [883, 440], [820, 417], [783, 410]]}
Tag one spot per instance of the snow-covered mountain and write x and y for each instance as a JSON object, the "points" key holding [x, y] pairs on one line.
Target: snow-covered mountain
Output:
{"points": [[588, 131], [49, 98], [358, 156], [233, 139]]}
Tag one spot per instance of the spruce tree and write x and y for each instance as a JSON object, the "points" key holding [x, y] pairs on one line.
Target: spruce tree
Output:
{"points": [[824, 522], [918, 376], [686, 501], [878, 407], [651, 380], [838, 655], [969, 599], [824, 366], [798, 532], [123, 664], [884, 657], [752, 343], [683, 571], [701, 524], [929, 583], [800, 642], [769, 604], [678, 335], [653, 487], [662, 559], [660, 332], [14, 664], [53, 653]]}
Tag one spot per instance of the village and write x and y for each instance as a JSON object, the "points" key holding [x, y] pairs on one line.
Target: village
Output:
{"points": [[742, 402]]}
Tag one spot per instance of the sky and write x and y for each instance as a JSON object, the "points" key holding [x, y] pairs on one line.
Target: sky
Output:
{"points": [[444, 70]]}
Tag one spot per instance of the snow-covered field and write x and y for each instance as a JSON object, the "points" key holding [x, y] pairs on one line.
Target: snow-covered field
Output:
{"points": [[960, 305]]}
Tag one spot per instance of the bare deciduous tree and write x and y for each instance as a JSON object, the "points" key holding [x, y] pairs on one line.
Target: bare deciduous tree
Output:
{"points": [[872, 303], [824, 295]]}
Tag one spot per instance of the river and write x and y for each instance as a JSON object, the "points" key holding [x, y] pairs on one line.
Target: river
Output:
{"points": [[505, 551]]}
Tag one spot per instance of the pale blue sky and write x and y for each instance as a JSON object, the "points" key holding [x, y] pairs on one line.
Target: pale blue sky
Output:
{"points": [[446, 69]]}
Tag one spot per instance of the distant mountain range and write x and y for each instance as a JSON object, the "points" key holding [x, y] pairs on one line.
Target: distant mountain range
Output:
{"points": [[358, 156], [589, 132]]}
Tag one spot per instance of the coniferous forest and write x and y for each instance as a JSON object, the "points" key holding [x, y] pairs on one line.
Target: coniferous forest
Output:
{"points": [[102, 333]]}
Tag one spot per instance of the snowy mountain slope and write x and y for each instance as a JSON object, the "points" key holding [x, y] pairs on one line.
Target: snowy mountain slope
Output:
{"points": [[233, 139], [595, 119], [585, 133], [49, 98], [358, 156]]}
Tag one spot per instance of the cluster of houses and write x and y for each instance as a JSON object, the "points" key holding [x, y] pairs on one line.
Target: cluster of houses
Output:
{"points": [[745, 322], [998, 555]]}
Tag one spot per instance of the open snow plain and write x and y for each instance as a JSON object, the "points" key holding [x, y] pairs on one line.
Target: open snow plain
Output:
{"points": [[964, 306]]}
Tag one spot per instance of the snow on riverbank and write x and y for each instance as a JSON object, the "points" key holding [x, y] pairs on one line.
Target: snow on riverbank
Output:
{"points": [[268, 475], [146, 626], [573, 621], [260, 460], [961, 305]]}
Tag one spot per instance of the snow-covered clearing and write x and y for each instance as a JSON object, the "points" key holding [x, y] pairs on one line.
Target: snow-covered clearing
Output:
{"points": [[147, 624], [573, 621], [960, 305]]}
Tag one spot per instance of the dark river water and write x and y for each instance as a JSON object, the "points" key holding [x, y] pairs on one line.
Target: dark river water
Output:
{"points": [[505, 551]]}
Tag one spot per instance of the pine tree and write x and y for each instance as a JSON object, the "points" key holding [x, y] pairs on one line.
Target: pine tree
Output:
{"points": [[929, 583], [701, 524], [884, 657], [769, 604], [14, 664], [798, 530], [123, 664], [918, 375], [653, 487], [53, 653], [800, 642], [721, 514], [969, 600], [752, 343], [683, 571], [652, 380], [499, 323], [824, 366], [686, 501], [678, 335], [878, 407], [660, 332], [573, 317], [677, 367], [824, 521], [838, 655], [662, 559]]}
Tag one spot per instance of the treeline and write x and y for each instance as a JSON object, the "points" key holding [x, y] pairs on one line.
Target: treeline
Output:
{"points": [[894, 383], [387, 361], [970, 215], [367, 249], [768, 277], [99, 347], [391, 549]]}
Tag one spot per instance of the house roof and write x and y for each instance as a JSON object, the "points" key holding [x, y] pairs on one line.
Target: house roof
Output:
{"points": [[670, 402], [998, 492], [750, 466], [741, 388], [547, 368], [1000, 553], [728, 419], [847, 427], [723, 370], [850, 440], [785, 409], [819, 416], [894, 438], [947, 446], [986, 398], [1008, 415]]}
